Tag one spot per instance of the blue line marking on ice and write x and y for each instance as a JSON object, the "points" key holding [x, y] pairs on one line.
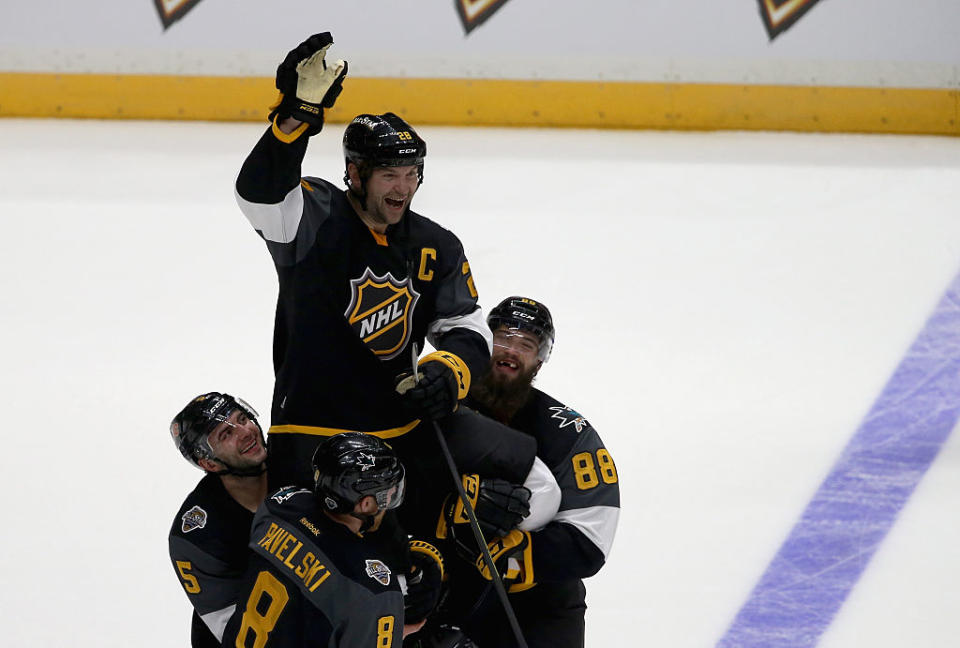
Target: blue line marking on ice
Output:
{"points": [[828, 549]]}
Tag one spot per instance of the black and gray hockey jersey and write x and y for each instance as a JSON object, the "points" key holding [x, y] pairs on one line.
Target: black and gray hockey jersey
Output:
{"points": [[313, 582], [208, 548], [351, 303], [573, 546], [578, 540]]}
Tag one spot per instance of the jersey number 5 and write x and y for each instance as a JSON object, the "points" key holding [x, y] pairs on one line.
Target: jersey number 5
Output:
{"points": [[189, 580], [585, 470]]}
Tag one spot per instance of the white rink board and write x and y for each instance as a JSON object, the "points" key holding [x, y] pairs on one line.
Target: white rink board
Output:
{"points": [[882, 43], [728, 306]]}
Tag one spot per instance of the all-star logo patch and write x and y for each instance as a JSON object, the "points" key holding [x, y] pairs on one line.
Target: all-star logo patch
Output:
{"points": [[378, 572], [381, 312], [567, 416], [286, 493], [195, 518], [780, 15]]}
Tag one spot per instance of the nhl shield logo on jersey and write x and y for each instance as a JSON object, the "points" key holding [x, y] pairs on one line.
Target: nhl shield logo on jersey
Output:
{"points": [[378, 572], [381, 312], [195, 518]]}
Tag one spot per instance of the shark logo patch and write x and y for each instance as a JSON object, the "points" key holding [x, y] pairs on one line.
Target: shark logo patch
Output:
{"points": [[567, 416], [286, 493]]}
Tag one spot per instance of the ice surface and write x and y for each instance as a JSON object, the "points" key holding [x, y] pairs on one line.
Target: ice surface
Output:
{"points": [[729, 309]]}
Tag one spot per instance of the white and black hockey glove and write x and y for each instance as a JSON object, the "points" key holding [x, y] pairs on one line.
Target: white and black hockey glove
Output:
{"points": [[307, 84]]}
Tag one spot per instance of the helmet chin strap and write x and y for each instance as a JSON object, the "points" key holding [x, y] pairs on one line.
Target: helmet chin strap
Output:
{"points": [[242, 472], [366, 519]]}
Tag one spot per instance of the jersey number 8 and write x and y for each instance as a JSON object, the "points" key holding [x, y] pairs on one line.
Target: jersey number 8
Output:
{"points": [[585, 470], [262, 623]]}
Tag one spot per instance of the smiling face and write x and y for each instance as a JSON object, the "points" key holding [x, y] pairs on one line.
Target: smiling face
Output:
{"points": [[515, 361], [389, 194], [515, 354], [237, 443]]}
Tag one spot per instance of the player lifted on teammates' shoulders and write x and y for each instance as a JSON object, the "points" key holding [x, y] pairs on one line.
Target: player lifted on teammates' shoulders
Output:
{"points": [[208, 540], [316, 577], [545, 565], [362, 279]]}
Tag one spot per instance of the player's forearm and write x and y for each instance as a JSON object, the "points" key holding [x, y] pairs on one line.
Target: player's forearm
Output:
{"points": [[289, 125], [469, 345], [272, 169]]}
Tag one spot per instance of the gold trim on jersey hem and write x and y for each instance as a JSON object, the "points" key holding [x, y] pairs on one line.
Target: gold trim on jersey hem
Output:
{"points": [[325, 431]]}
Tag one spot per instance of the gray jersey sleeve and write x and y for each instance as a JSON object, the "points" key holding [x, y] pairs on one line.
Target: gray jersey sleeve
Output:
{"points": [[211, 584]]}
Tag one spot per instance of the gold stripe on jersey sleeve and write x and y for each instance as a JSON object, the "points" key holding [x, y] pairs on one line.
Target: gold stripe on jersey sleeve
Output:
{"points": [[325, 431]]}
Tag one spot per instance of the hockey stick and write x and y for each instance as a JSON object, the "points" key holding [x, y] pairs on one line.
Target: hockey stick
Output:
{"points": [[474, 523]]}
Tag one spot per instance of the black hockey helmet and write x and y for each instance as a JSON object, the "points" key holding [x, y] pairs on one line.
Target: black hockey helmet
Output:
{"points": [[385, 140], [349, 466], [525, 314], [191, 428]]}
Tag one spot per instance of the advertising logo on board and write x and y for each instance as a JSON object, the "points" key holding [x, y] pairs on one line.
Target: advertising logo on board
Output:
{"points": [[474, 12], [173, 10], [779, 15]]}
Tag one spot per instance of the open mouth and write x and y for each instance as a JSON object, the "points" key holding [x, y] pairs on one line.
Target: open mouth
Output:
{"points": [[253, 446], [507, 365], [395, 203]]}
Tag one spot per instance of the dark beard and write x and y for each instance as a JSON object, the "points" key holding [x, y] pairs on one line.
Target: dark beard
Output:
{"points": [[501, 397]]}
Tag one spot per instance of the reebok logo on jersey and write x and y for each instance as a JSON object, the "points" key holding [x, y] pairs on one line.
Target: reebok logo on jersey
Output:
{"points": [[378, 572], [195, 518], [381, 312], [567, 416]]}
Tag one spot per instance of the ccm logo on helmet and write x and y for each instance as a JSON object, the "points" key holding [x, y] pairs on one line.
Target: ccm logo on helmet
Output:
{"points": [[405, 151]]}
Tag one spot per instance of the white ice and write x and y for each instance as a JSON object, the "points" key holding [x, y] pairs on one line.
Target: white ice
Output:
{"points": [[728, 307]]}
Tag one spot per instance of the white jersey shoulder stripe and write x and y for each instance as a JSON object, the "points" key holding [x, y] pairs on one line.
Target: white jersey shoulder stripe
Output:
{"points": [[598, 523], [472, 321], [277, 222]]}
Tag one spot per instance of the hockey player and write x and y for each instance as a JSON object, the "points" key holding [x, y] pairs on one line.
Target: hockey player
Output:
{"points": [[316, 578], [362, 280], [543, 567], [208, 540]]}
